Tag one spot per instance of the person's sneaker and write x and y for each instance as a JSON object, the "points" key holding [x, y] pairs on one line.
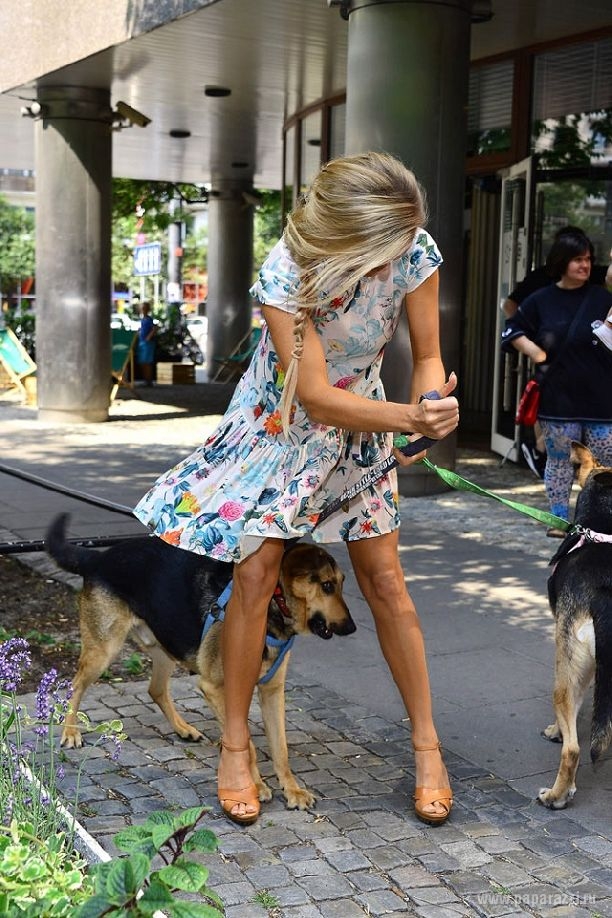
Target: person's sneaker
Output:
{"points": [[534, 459], [554, 533]]}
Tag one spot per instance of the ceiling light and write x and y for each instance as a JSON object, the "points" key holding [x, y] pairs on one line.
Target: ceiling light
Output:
{"points": [[218, 92]]}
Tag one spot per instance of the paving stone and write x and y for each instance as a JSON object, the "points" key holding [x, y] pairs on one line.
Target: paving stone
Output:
{"points": [[498, 844], [467, 853], [366, 880], [329, 886], [448, 910], [301, 911], [387, 857], [365, 838], [311, 868], [268, 875], [412, 877], [345, 861], [504, 874], [292, 853], [237, 893], [433, 895], [289, 895], [383, 901], [438, 862], [343, 909], [467, 882], [594, 844]]}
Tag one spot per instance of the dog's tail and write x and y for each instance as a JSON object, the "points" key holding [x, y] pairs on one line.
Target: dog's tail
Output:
{"points": [[69, 557], [601, 727]]}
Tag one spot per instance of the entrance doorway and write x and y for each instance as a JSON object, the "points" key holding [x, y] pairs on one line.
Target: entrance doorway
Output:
{"points": [[535, 204]]}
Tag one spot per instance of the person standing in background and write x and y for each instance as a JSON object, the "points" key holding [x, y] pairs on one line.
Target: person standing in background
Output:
{"points": [[145, 351], [555, 328], [535, 455]]}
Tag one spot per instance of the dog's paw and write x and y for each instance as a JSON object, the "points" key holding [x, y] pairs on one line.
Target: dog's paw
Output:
{"points": [[547, 799], [186, 731], [553, 733], [298, 798], [71, 738], [264, 793]]}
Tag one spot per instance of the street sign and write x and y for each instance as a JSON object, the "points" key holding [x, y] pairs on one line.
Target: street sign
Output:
{"points": [[147, 259]]}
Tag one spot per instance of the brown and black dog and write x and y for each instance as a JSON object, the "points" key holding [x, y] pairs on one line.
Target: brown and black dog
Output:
{"points": [[580, 595], [161, 597]]}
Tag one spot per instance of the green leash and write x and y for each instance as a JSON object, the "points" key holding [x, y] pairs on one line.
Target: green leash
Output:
{"points": [[462, 484]]}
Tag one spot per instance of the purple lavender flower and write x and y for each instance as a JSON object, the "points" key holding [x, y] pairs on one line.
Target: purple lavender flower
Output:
{"points": [[14, 655], [7, 808], [52, 701]]}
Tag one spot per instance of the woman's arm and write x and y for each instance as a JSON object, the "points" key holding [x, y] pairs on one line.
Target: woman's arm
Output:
{"points": [[326, 404], [528, 347]]}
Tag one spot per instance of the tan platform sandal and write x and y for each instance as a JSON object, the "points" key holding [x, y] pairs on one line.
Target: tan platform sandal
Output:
{"points": [[231, 797], [425, 796]]}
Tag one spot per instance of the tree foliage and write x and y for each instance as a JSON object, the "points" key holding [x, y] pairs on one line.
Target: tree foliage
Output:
{"points": [[17, 251]]}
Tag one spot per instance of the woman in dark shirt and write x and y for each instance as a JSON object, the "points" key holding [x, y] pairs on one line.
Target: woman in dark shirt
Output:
{"points": [[554, 329]]}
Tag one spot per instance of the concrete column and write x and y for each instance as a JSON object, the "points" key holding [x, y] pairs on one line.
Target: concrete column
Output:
{"points": [[230, 267], [73, 275], [407, 90]]}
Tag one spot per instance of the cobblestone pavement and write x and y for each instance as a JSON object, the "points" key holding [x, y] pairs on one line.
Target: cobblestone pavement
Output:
{"points": [[360, 851]]}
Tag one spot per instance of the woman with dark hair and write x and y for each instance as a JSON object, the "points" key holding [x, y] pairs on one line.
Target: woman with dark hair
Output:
{"points": [[554, 328]]}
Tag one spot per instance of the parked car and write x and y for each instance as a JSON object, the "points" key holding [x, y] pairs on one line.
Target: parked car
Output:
{"points": [[122, 320], [197, 326]]}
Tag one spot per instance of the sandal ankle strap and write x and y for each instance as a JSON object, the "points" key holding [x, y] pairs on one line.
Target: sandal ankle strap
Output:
{"points": [[234, 748], [416, 748]]}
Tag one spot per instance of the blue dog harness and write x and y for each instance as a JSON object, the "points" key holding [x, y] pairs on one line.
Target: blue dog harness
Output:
{"points": [[217, 614]]}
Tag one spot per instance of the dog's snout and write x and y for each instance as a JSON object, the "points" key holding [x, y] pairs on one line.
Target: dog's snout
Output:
{"points": [[325, 628], [348, 626]]}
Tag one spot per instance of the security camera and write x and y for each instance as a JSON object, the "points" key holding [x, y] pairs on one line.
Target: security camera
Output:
{"points": [[33, 110], [127, 113]]}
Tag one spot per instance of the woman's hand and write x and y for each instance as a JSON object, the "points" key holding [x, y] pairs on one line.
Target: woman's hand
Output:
{"points": [[529, 348], [434, 418]]}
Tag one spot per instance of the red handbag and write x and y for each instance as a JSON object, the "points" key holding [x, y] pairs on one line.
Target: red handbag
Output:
{"points": [[527, 411]]}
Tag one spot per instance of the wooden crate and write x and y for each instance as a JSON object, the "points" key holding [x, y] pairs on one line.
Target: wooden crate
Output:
{"points": [[175, 373]]}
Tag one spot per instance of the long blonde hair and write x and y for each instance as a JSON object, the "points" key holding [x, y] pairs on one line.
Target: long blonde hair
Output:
{"points": [[360, 213]]}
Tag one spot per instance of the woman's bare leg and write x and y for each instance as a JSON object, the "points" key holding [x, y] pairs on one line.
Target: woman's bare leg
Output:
{"points": [[381, 580], [243, 637]]}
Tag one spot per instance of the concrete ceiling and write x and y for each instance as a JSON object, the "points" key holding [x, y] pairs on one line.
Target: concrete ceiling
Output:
{"points": [[276, 56]]}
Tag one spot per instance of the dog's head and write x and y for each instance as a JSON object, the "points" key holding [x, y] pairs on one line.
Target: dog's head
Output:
{"points": [[594, 504], [311, 582]]}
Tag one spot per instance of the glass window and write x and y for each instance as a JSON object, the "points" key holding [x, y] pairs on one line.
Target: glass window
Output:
{"points": [[310, 160], [572, 105], [337, 130], [490, 108]]}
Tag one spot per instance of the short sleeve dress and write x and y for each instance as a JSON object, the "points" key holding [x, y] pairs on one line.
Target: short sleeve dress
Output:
{"points": [[249, 481]]}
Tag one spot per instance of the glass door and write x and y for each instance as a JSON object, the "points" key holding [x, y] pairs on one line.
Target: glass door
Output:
{"points": [[514, 262]]}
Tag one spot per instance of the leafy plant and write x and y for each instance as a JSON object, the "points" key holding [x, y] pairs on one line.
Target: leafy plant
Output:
{"points": [[134, 664], [130, 886], [37, 859], [266, 900], [40, 877], [40, 872]]}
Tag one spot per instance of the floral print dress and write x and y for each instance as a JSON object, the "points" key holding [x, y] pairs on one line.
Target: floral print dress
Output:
{"points": [[249, 481]]}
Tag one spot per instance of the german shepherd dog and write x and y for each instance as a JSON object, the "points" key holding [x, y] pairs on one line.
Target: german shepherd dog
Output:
{"points": [[580, 596], [161, 595]]}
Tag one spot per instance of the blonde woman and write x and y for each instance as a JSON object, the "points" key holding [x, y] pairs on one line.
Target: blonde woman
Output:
{"points": [[307, 419]]}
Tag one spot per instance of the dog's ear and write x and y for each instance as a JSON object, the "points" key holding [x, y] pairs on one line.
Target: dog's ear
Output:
{"points": [[582, 457]]}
